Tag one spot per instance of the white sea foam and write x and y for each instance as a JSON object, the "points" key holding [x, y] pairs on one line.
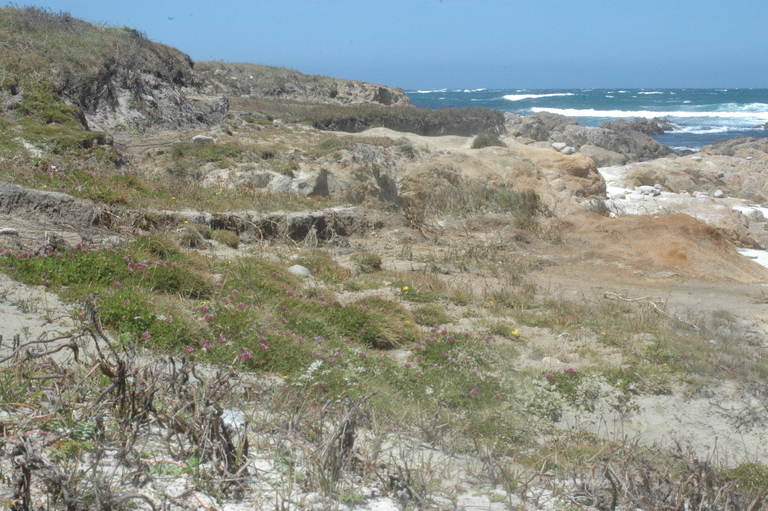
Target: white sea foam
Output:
{"points": [[743, 107], [430, 91], [651, 92], [518, 97], [756, 117], [704, 130]]}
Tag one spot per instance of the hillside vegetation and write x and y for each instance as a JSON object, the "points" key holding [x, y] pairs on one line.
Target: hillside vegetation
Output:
{"points": [[227, 303]]}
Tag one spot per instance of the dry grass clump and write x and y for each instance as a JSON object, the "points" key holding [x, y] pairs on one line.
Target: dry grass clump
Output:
{"points": [[228, 238], [486, 140]]}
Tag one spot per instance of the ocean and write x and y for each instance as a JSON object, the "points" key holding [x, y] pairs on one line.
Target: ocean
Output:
{"points": [[700, 116]]}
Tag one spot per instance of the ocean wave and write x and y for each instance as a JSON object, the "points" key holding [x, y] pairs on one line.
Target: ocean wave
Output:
{"points": [[518, 97], [429, 91], [742, 107], [651, 92], [756, 117], [706, 130]]}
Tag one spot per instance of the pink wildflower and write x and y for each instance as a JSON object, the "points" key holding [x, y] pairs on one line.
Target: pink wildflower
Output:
{"points": [[244, 355]]}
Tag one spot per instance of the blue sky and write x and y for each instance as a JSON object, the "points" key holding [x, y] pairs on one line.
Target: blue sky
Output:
{"points": [[465, 44]]}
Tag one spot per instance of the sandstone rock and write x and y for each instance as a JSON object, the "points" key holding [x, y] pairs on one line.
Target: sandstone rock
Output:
{"points": [[718, 194], [575, 174], [558, 146], [603, 157], [9, 231]]}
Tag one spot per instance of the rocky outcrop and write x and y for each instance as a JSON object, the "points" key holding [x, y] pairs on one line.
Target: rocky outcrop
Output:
{"points": [[267, 81], [150, 86], [743, 147], [632, 145], [571, 175], [650, 127], [612, 144], [538, 127], [54, 207], [602, 157], [741, 171]]}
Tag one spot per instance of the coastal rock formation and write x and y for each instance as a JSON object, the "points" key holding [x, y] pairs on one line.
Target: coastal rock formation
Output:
{"points": [[538, 127], [266, 81], [648, 127], [739, 168], [573, 175], [742, 147], [613, 143]]}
